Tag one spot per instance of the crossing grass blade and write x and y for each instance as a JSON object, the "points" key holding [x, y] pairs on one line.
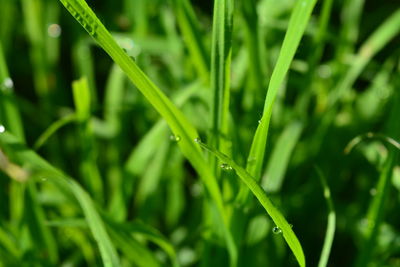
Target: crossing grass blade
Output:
{"points": [[273, 212], [178, 123], [39, 168]]}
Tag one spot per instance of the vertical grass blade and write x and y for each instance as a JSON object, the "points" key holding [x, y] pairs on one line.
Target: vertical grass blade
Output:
{"points": [[188, 24], [330, 230], [273, 212], [89, 169], [220, 75]]}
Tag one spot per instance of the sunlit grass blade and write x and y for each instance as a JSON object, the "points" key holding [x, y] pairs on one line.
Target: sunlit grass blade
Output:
{"points": [[39, 168], [178, 123], [280, 157], [297, 25], [83, 61], [330, 229], [259, 193]]}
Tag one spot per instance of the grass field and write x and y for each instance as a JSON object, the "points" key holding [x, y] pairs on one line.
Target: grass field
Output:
{"points": [[199, 133]]}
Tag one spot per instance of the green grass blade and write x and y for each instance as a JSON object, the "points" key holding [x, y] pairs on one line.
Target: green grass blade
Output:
{"points": [[259, 193], [188, 24], [253, 41], [280, 157], [350, 19], [330, 230], [181, 127], [378, 204], [297, 25], [83, 62], [88, 163], [220, 75], [52, 129], [40, 168]]}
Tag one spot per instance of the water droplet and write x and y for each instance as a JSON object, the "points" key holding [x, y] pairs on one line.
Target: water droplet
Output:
{"points": [[226, 167], [276, 230], [259, 121], [2, 128], [8, 84], [197, 140], [175, 138], [54, 30]]}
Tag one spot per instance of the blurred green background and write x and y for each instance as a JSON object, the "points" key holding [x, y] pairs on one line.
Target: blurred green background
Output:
{"points": [[340, 86]]}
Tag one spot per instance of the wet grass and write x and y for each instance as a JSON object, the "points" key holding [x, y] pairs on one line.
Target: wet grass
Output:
{"points": [[180, 133]]}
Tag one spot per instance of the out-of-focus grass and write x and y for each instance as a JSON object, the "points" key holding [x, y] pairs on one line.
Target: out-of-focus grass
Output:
{"points": [[310, 75]]}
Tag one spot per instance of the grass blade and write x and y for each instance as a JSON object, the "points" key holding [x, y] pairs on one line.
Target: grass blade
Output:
{"points": [[220, 76], [264, 200], [189, 27], [277, 165], [88, 167], [178, 123], [297, 25], [52, 129], [330, 230], [376, 209]]}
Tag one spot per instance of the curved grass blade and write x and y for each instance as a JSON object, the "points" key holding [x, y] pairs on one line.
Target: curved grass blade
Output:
{"points": [[297, 25], [359, 138], [41, 168], [273, 212], [54, 127], [330, 230], [174, 117]]}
